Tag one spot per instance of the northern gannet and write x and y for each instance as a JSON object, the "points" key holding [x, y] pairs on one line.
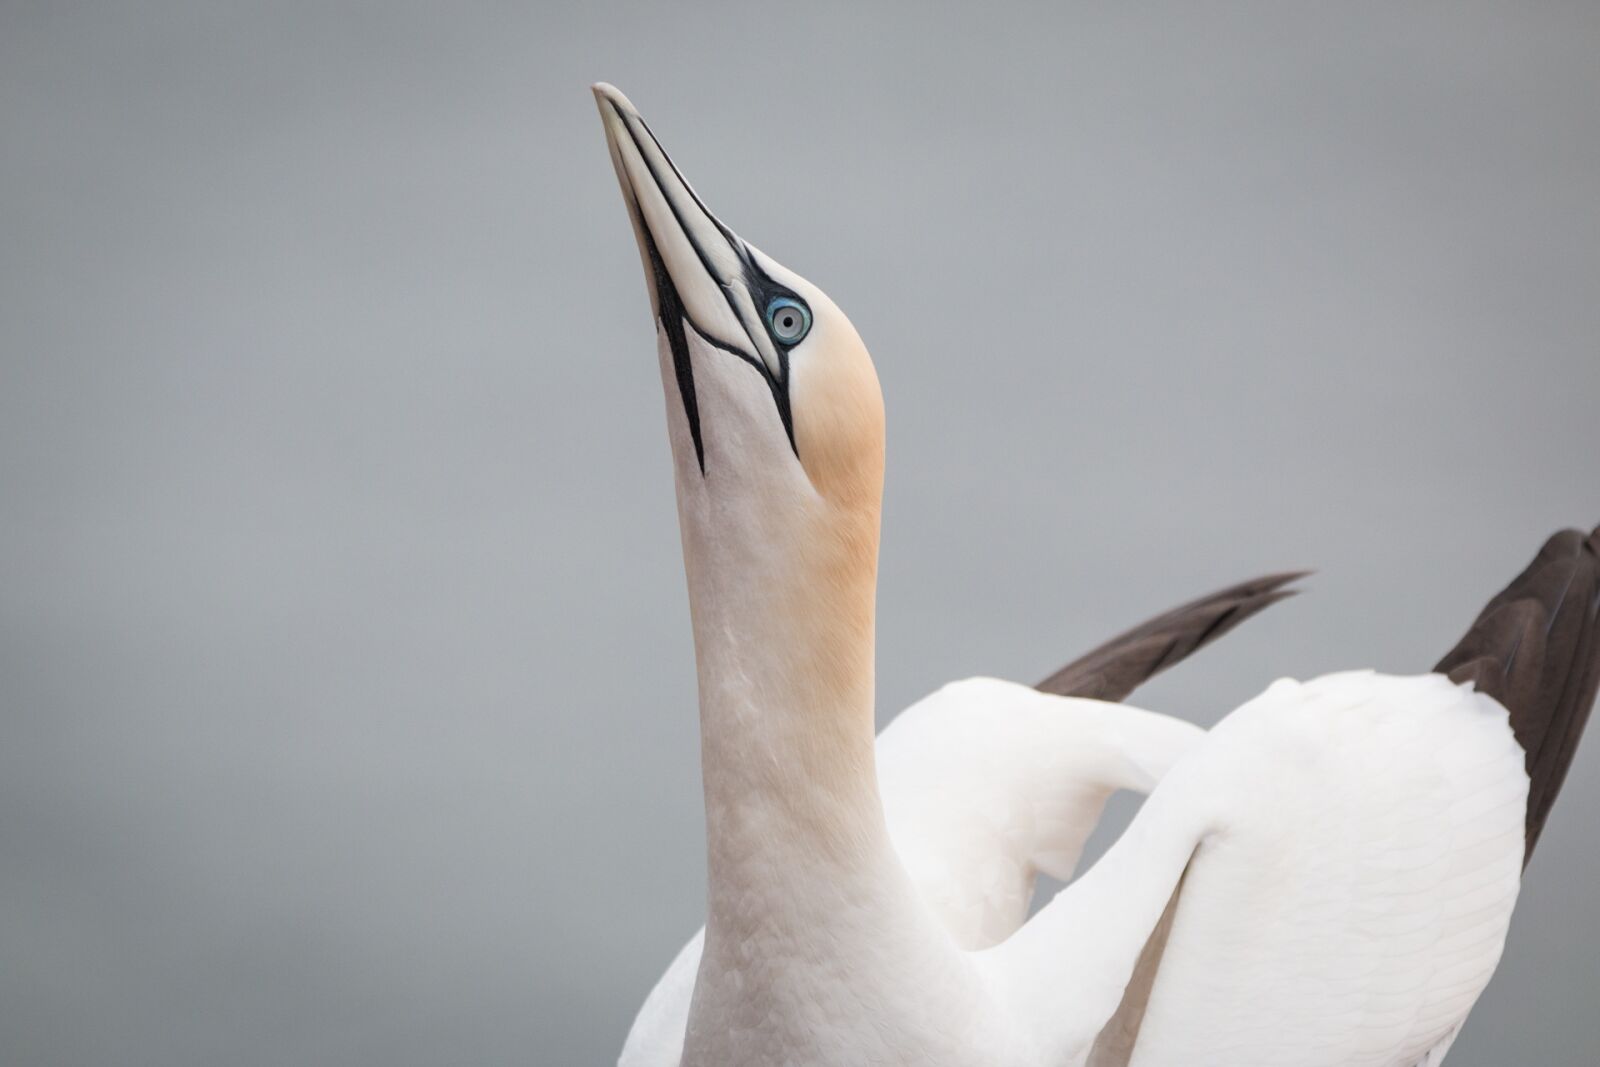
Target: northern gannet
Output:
{"points": [[1325, 878]]}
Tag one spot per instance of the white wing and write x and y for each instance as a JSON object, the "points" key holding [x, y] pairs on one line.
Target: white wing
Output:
{"points": [[984, 784], [987, 783], [1349, 852]]}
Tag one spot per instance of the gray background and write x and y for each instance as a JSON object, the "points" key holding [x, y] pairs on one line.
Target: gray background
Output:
{"points": [[346, 697]]}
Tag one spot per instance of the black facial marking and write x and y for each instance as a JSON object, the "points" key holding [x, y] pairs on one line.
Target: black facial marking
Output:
{"points": [[762, 289], [672, 319]]}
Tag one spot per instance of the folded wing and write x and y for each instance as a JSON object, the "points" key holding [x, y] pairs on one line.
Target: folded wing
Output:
{"points": [[1328, 879]]}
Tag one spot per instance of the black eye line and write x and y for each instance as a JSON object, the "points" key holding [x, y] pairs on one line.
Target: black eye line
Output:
{"points": [[778, 385], [673, 315], [755, 278]]}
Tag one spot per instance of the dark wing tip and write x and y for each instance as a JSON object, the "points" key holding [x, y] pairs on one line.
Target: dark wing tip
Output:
{"points": [[1535, 648], [1118, 667]]}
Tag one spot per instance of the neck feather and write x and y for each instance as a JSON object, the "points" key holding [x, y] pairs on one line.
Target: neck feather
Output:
{"points": [[783, 622]]}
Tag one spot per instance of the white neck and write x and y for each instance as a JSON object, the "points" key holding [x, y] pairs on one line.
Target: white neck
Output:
{"points": [[783, 618], [816, 939], [817, 943]]}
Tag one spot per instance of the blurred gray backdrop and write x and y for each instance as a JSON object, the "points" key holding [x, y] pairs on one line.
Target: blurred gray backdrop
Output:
{"points": [[347, 711]]}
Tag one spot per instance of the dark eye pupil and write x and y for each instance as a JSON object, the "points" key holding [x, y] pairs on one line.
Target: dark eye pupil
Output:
{"points": [[787, 322]]}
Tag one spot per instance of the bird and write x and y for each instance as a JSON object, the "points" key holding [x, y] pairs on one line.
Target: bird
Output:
{"points": [[1326, 877], [986, 783]]}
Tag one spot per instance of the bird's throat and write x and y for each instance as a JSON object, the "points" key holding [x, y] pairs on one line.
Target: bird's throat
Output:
{"points": [[783, 623]]}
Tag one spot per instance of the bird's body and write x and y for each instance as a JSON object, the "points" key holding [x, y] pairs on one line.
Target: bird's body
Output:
{"points": [[1326, 878], [1360, 887]]}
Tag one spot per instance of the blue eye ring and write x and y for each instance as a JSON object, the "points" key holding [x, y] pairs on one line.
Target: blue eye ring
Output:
{"points": [[788, 319]]}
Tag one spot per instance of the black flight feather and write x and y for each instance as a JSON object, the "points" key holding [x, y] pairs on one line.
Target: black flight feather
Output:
{"points": [[1536, 649], [1128, 660]]}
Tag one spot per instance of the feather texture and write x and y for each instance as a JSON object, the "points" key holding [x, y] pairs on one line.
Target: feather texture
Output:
{"points": [[1535, 648], [1115, 669]]}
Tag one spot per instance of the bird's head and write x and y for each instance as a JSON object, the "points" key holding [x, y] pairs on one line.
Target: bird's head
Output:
{"points": [[773, 405]]}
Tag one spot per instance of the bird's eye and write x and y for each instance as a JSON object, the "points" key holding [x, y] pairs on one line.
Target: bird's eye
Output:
{"points": [[788, 319]]}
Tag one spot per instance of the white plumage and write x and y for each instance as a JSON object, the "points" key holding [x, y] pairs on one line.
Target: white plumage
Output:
{"points": [[985, 784], [1325, 878], [1353, 848]]}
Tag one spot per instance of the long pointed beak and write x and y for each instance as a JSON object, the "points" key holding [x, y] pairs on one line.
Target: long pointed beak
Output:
{"points": [[690, 258]]}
